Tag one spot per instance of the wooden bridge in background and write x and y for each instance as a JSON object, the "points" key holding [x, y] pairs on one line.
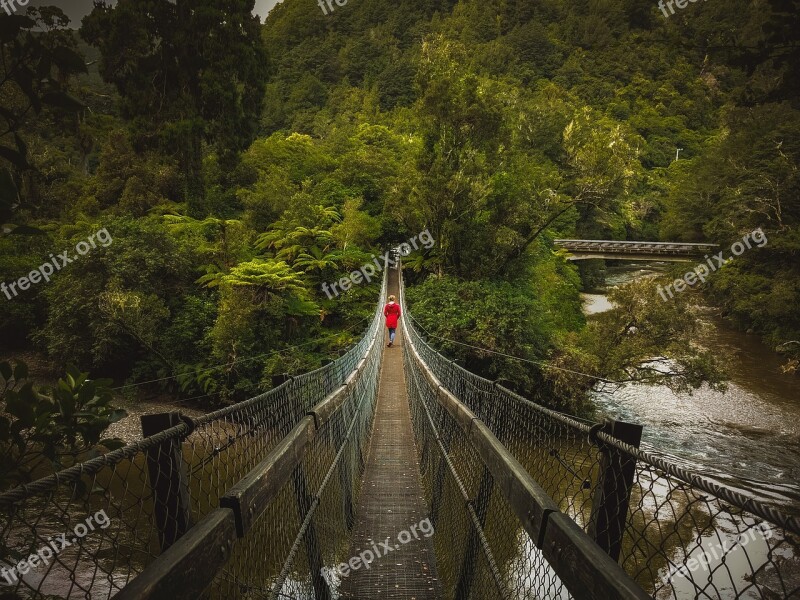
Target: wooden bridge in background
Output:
{"points": [[629, 250]]}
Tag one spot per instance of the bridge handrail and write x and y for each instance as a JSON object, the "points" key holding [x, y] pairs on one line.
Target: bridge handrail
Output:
{"points": [[587, 572], [738, 499], [671, 504], [634, 242], [187, 568], [94, 465], [202, 455]]}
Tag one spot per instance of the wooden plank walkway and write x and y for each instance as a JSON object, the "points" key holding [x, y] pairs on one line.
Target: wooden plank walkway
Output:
{"points": [[391, 501]]}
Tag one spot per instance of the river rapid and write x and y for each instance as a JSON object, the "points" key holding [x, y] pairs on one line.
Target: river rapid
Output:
{"points": [[747, 437]]}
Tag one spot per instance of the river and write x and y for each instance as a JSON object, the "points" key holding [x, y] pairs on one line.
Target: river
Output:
{"points": [[747, 437]]}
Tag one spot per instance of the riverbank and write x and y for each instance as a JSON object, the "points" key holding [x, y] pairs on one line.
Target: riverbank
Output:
{"points": [[747, 436]]}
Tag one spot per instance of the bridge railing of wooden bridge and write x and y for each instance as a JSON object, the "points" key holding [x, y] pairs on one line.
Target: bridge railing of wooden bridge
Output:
{"points": [[242, 502], [636, 247], [675, 533]]}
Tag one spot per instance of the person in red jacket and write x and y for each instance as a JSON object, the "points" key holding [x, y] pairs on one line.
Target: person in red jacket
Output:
{"points": [[392, 312]]}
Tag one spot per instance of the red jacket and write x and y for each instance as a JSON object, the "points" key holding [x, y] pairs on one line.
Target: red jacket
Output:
{"points": [[392, 312]]}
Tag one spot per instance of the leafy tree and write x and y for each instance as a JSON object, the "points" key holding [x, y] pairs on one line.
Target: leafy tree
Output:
{"points": [[747, 179], [51, 429], [187, 72], [641, 339], [485, 324], [112, 304], [464, 136], [38, 57]]}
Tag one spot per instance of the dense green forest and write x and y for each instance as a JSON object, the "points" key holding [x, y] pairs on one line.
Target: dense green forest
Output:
{"points": [[238, 166]]}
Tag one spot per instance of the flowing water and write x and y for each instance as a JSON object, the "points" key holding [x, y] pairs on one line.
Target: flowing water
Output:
{"points": [[748, 436]]}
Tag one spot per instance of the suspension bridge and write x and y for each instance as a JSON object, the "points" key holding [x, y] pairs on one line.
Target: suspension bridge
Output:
{"points": [[631, 250], [391, 473]]}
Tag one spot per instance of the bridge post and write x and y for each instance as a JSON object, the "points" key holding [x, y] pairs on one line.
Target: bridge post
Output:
{"points": [[497, 423], [280, 378], [169, 480], [613, 491], [304, 502]]}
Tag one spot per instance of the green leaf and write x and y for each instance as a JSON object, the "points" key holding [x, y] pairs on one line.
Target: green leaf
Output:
{"points": [[85, 394], [20, 408], [5, 370], [73, 373]]}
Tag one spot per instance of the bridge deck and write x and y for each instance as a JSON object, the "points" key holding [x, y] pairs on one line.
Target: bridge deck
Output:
{"points": [[633, 250], [391, 499]]}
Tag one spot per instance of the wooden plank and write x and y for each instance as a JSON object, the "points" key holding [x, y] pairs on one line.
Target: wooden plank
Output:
{"points": [[351, 379], [583, 567], [251, 495], [188, 567], [432, 380], [249, 498], [168, 478]]}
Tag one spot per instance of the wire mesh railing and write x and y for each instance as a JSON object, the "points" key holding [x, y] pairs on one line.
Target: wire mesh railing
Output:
{"points": [[504, 536], [677, 534], [307, 523], [478, 537], [88, 530]]}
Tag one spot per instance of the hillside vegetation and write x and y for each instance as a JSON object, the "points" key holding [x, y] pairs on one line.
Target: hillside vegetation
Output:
{"points": [[240, 166]]}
